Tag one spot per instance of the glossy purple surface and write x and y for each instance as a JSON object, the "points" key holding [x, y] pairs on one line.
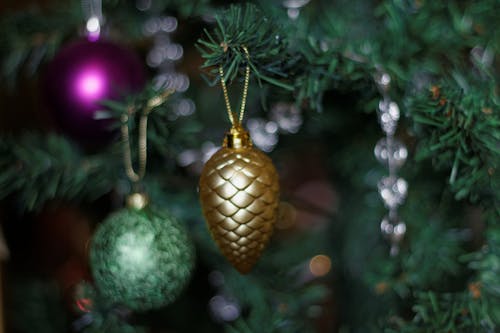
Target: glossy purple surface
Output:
{"points": [[82, 75]]}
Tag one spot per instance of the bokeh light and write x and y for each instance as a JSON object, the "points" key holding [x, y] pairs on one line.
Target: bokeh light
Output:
{"points": [[320, 265], [91, 85], [93, 27]]}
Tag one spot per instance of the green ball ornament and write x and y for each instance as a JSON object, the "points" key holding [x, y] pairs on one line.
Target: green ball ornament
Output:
{"points": [[141, 259]]}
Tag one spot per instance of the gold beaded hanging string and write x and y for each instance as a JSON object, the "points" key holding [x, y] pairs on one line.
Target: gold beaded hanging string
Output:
{"points": [[236, 122], [139, 200]]}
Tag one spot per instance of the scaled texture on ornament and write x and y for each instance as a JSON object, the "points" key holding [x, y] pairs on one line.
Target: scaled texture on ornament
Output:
{"points": [[239, 193], [140, 259]]}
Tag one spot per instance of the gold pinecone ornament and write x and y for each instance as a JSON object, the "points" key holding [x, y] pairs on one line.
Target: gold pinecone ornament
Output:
{"points": [[239, 193]]}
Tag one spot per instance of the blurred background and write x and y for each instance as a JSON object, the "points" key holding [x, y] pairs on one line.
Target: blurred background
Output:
{"points": [[342, 94]]}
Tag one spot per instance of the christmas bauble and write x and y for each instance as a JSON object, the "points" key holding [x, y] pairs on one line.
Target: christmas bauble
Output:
{"points": [[239, 193], [141, 259], [80, 77]]}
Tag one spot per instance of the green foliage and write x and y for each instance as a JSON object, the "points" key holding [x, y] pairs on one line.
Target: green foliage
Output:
{"points": [[461, 130], [181, 8], [487, 264], [29, 37], [458, 312], [332, 49], [166, 138], [273, 307], [98, 315], [112, 323], [36, 307], [245, 26], [324, 68], [39, 168]]}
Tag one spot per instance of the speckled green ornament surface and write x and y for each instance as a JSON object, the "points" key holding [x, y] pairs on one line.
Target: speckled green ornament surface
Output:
{"points": [[141, 259]]}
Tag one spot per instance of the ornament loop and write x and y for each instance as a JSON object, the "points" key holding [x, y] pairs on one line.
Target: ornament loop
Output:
{"points": [[235, 122], [142, 141]]}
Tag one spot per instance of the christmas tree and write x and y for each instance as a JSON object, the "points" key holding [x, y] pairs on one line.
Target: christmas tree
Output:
{"points": [[381, 118]]}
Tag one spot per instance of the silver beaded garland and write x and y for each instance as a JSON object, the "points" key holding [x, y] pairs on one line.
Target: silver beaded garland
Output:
{"points": [[392, 153]]}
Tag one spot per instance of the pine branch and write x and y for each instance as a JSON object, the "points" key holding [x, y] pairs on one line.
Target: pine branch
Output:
{"points": [[166, 137], [38, 168], [450, 312], [246, 26], [50, 167], [273, 308], [473, 310], [486, 263], [461, 133], [321, 66], [32, 36]]}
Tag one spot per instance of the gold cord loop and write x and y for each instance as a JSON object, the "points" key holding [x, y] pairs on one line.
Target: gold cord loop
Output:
{"points": [[142, 141], [232, 118]]}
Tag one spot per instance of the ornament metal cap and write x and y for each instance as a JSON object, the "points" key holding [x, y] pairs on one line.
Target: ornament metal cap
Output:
{"points": [[237, 137], [137, 200]]}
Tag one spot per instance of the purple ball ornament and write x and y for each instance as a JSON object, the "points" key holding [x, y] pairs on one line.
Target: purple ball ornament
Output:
{"points": [[81, 76]]}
